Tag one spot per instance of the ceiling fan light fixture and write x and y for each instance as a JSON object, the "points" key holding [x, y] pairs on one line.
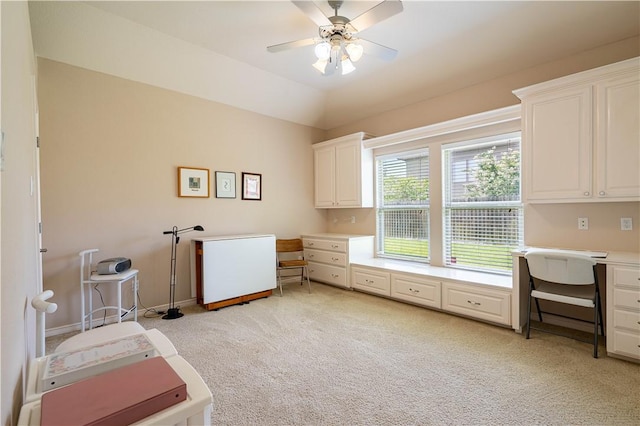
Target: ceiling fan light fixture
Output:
{"points": [[321, 65], [355, 51], [347, 65], [323, 50]]}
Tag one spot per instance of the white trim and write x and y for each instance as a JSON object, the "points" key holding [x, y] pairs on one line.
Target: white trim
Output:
{"points": [[585, 77], [479, 121]]}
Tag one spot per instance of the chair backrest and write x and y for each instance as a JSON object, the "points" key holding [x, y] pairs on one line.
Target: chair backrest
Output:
{"points": [[558, 267], [288, 246]]}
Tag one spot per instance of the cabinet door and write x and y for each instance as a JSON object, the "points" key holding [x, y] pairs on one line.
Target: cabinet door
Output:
{"points": [[348, 174], [324, 176], [557, 157], [618, 142]]}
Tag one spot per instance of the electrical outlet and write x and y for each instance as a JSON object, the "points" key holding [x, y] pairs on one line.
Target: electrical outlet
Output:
{"points": [[626, 224], [353, 219], [583, 223]]}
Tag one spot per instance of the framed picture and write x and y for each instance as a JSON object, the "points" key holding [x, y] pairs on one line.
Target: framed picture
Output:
{"points": [[225, 185], [193, 182], [251, 186]]}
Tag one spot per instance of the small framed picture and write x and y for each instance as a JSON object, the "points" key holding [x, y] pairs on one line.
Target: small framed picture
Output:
{"points": [[251, 186], [225, 185], [193, 182]]}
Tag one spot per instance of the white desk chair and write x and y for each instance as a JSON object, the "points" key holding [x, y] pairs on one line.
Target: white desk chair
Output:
{"points": [[88, 277], [565, 278]]}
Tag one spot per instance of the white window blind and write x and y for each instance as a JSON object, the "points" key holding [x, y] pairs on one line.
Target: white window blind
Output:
{"points": [[403, 205], [483, 213]]}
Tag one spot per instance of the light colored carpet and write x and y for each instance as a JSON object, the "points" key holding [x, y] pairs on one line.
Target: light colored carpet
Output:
{"points": [[338, 357]]}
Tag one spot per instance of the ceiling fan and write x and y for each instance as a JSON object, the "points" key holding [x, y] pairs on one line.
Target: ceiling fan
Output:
{"points": [[337, 45]]}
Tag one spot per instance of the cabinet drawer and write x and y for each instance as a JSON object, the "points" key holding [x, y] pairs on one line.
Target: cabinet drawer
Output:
{"points": [[328, 274], [478, 302], [623, 298], [416, 289], [337, 259], [331, 245], [372, 281], [627, 319], [625, 343], [626, 277]]}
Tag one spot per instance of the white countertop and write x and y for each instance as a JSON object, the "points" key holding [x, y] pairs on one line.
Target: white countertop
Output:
{"points": [[335, 236], [612, 257]]}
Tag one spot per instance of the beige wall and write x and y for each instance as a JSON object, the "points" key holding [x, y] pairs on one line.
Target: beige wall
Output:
{"points": [[18, 266], [545, 225], [89, 119], [110, 152]]}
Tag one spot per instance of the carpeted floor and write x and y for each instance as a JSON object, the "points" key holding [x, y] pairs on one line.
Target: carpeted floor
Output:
{"points": [[338, 357]]}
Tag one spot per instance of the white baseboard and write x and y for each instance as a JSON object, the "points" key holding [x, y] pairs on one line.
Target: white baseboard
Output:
{"points": [[69, 328]]}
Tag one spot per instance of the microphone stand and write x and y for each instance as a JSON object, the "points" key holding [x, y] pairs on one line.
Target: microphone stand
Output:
{"points": [[173, 312]]}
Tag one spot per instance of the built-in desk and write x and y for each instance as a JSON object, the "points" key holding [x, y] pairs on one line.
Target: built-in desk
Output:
{"points": [[619, 279]]}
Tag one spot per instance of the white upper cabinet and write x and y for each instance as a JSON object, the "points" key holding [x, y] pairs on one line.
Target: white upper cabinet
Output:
{"points": [[581, 137], [618, 141], [343, 173]]}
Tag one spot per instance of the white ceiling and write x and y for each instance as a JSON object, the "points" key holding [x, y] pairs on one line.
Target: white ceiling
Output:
{"points": [[443, 45]]}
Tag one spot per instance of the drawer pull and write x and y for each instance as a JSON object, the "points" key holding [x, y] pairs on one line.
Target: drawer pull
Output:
{"points": [[369, 281], [474, 303], [311, 256], [414, 291], [335, 275], [334, 246], [335, 259], [310, 244]]}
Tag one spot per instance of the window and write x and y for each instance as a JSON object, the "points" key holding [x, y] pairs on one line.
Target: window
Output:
{"points": [[403, 205], [483, 213]]}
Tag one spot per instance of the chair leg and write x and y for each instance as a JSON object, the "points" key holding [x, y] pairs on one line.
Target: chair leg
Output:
{"points": [[529, 314], [600, 314], [306, 271], [539, 311], [280, 283], [595, 328]]}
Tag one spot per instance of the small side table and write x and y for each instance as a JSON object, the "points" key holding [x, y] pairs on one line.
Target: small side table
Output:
{"points": [[90, 278]]}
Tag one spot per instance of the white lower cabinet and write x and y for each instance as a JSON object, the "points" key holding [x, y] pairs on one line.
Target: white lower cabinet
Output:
{"points": [[623, 311], [416, 289], [477, 301], [335, 275], [330, 255], [371, 281]]}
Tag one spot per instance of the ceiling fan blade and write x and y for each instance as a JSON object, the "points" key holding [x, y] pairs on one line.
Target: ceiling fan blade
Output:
{"points": [[375, 49], [312, 12], [290, 45], [378, 13]]}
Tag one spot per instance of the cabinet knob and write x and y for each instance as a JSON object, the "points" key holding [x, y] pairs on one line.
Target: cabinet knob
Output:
{"points": [[601, 192], [586, 194]]}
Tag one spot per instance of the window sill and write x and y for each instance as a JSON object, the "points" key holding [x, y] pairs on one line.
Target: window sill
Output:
{"points": [[502, 282]]}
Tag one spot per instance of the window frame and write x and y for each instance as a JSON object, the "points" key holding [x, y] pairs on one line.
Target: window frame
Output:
{"points": [[433, 136], [381, 209], [479, 262]]}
